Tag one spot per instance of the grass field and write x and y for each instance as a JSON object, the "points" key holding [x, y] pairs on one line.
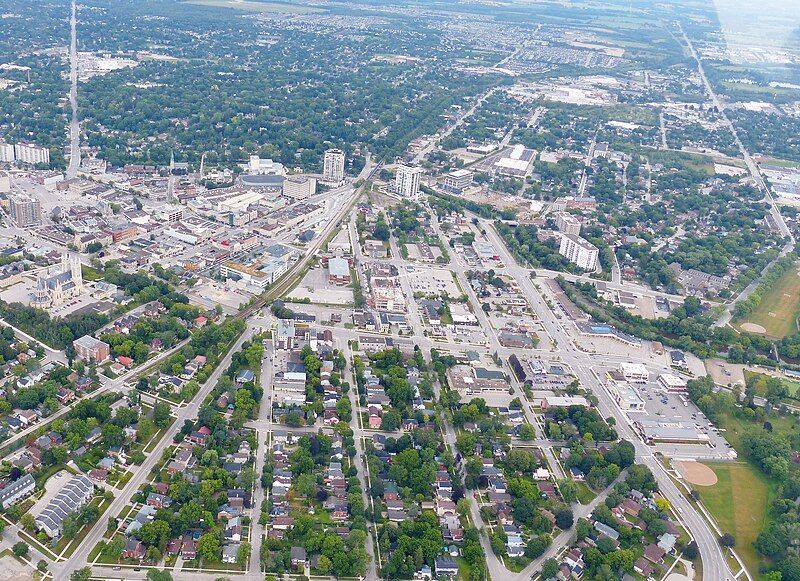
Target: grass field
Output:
{"points": [[779, 307], [739, 502], [250, 6], [792, 387]]}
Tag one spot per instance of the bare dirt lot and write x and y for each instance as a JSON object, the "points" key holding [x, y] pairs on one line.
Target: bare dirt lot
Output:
{"points": [[697, 473]]}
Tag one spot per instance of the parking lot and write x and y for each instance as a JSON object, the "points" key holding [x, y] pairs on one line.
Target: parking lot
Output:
{"points": [[316, 287], [673, 407]]}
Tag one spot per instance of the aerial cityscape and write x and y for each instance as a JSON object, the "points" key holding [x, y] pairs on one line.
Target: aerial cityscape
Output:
{"points": [[399, 289]]}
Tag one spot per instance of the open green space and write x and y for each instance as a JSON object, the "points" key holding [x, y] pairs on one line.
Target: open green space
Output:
{"points": [[779, 307], [760, 387], [739, 502], [585, 494]]}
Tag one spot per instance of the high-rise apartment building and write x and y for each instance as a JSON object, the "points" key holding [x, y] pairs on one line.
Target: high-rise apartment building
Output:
{"points": [[406, 181], [7, 152], [333, 166], [32, 154], [25, 211], [579, 251]]}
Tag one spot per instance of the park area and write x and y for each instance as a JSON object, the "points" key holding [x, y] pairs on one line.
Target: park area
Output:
{"points": [[739, 503], [759, 384], [777, 312]]}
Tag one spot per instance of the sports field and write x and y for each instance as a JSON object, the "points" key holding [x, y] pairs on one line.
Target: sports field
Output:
{"points": [[739, 502], [778, 309]]}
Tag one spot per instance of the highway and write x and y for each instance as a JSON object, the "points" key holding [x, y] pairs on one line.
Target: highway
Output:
{"points": [[755, 172]]}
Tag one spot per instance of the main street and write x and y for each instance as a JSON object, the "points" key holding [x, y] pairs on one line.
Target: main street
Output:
{"points": [[715, 562], [755, 172], [74, 125]]}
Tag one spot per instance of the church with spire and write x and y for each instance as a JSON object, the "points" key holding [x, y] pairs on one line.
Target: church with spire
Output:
{"points": [[58, 284]]}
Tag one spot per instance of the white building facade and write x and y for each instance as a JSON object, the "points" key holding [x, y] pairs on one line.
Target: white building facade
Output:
{"points": [[406, 181], [579, 251], [333, 166]]}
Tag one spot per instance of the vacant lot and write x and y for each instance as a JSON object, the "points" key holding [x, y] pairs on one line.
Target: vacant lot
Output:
{"points": [[739, 502], [779, 307]]}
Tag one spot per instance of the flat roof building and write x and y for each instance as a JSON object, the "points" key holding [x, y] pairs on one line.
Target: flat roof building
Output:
{"points": [[579, 251], [457, 181], [299, 187], [333, 166], [568, 224], [672, 383], [89, 348], [407, 180], [338, 271], [634, 372]]}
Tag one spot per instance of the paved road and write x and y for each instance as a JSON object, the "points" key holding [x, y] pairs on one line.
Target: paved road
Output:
{"points": [[360, 460], [715, 564], [264, 413], [458, 123], [142, 475], [74, 125], [777, 219]]}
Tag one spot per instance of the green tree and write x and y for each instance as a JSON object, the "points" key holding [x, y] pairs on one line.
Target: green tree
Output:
{"points": [[208, 547], [20, 549], [81, 574]]}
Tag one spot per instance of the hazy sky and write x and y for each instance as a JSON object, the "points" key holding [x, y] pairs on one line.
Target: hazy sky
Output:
{"points": [[768, 22]]}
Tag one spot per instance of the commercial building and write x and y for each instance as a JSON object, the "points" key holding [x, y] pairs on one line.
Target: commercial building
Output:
{"points": [[72, 497], [338, 271], [672, 383], [299, 187], [89, 348], [17, 490], [553, 401], [457, 181], [333, 166], [653, 431], [406, 181], [634, 372], [626, 396], [25, 211], [32, 154], [568, 224], [579, 251]]}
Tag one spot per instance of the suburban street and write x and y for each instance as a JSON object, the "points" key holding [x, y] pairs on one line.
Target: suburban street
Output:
{"points": [[61, 572]]}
